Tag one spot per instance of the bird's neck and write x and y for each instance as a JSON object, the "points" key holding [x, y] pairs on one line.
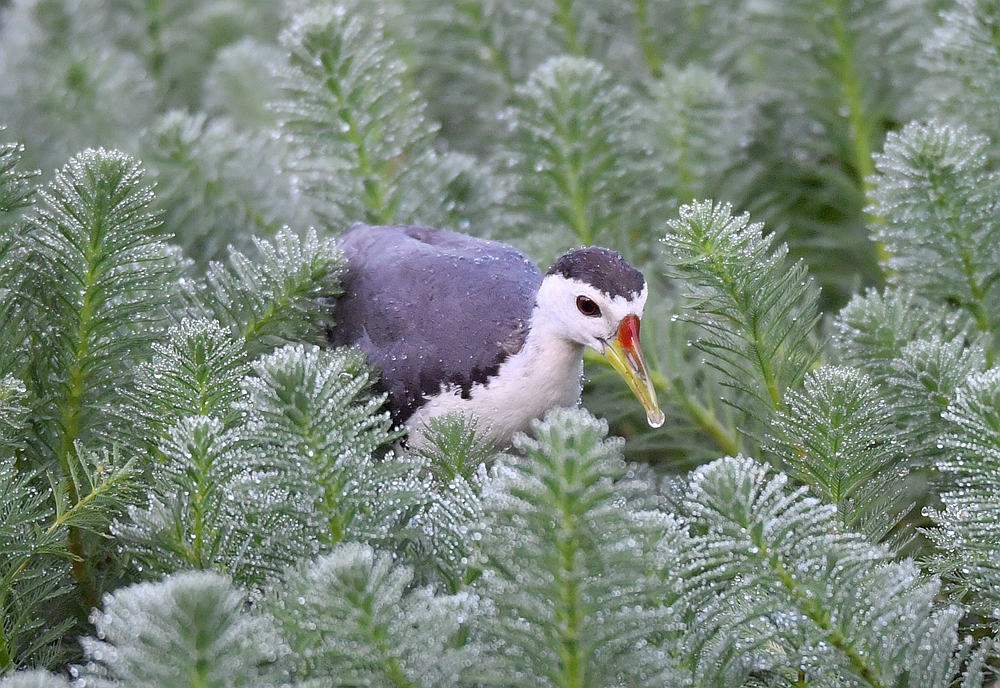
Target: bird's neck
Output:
{"points": [[552, 359]]}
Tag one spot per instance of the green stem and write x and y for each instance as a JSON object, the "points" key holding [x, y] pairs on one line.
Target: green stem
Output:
{"points": [[573, 664], [811, 608], [577, 200], [494, 58], [157, 56], [374, 192], [859, 126], [645, 40], [685, 174], [859, 662], [58, 522], [581, 227], [329, 503], [70, 421], [751, 328], [253, 329], [703, 417], [377, 637], [977, 306], [564, 16]]}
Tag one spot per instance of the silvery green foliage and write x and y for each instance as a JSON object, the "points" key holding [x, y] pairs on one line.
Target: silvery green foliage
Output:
{"points": [[853, 63], [922, 384], [699, 129], [961, 58], [213, 505], [837, 436], [218, 184], [275, 295], [688, 32], [97, 278], [34, 524], [757, 313], [938, 200], [84, 73], [240, 86], [872, 329], [66, 87], [472, 54], [13, 414], [966, 534], [281, 470], [352, 617], [92, 289], [178, 40], [309, 414], [352, 120], [16, 190], [570, 546], [455, 455], [462, 55], [84, 287], [829, 80], [206, 494], [189, 629], [772, 587], [583, 175], [34, 679], [16, 193], [197, 371], [94, 72], [30, 571]]}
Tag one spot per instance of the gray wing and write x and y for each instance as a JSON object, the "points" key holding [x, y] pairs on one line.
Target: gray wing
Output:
{"points": [[430, 308]]}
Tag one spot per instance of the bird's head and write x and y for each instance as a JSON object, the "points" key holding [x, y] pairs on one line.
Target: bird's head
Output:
{"points": [[591, 296]]}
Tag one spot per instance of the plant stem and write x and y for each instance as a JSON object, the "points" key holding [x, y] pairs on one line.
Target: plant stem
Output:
{"points": [[71, 414], [702, 416], [977, 305], [564, 17], [573, 665], [859, 125], [751, 325], [494, 57], [645, 40], [577, 200], [372, 182]]}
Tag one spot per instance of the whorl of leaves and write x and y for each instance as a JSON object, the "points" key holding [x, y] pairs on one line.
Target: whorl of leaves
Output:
{"points": [[189, 624], [939, 198], [757, 313], [773, 585]]}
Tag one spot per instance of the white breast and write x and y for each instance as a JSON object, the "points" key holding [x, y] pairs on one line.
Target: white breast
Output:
{"points": [[546, 372]]}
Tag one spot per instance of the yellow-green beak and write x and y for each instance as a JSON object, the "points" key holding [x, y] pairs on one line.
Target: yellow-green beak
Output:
{"points": [[625, 356]]}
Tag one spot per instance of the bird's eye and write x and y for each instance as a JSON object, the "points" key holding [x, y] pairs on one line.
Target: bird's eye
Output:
{"points": [[587, 307]]}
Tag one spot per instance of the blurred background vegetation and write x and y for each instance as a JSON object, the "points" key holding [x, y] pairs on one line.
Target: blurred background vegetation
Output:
{"points": [[545, 123]]}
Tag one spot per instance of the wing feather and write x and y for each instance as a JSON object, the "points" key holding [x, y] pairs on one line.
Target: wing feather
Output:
{"points": [[430, 307]]}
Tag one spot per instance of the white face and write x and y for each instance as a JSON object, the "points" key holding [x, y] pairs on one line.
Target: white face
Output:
{"points": [[569, 307]]}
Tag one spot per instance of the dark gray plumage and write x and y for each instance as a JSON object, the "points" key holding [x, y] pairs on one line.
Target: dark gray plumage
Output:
{"points": [[428, 307]]}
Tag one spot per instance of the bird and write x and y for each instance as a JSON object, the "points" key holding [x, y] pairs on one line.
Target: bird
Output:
{"points": [[459, 324]]}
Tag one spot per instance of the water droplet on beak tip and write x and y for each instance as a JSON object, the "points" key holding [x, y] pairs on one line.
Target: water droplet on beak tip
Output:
{"points": [[655, 418]]}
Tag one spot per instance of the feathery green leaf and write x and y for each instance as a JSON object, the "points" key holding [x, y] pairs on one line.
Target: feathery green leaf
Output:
{"points": [[190, 627], [569, 548], [758, 314]]}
